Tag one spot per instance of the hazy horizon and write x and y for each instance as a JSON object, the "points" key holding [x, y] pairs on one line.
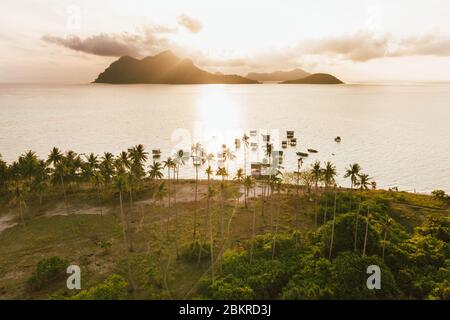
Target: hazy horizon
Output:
{"points": [[357, 41]]}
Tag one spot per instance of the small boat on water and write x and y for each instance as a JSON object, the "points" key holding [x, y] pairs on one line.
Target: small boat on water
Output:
{"points": [[290, 134], [254, 145], [293, 142], [253, 133], [337, 139], [156, 153], [302, 154], [284, 144], [312, 151]]}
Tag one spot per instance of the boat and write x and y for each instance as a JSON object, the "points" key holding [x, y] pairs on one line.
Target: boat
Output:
{"points": [[293, 142], [284, 144], [337, 139], [290, 134], [302, 154], [253, 133], [156, 153], [254, 145], [312, 151]]}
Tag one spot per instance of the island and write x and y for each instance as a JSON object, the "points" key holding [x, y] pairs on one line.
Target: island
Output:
{"points": [[316, 78], [278, 75], [163, 68]]}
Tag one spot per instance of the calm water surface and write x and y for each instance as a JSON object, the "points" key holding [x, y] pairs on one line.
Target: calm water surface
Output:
{"points": [[400, 134]]}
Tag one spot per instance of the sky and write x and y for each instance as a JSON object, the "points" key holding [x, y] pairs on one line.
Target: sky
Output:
{"points": [[356, 40]]}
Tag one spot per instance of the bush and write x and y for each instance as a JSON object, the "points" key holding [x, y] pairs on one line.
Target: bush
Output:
{"points": [[439, 194], [191, 253], [47, 271], [113, 288], [344, 235]]}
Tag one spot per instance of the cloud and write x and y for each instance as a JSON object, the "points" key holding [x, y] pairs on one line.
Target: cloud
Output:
{"points": [[364, 46], [192, 24], [101, 45], [148, 40]]}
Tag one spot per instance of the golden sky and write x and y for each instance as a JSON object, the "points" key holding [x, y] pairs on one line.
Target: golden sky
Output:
{"points": [[356, 40]]}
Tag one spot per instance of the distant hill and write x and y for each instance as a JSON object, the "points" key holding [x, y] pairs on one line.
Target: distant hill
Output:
{"points": [[278, 75], [163, 68], [316, 78]]}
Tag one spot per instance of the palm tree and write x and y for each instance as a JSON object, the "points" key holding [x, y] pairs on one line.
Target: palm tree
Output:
{"points": [[356, 226], [332, 227], [197, 160], [210, 195], [249, 183], [179, 161], [98, 181], [159, 196], [107, 166], [279, 185], [121, 183], [367, 231], [328, 175], [222, 172], [41, 178], [386, 226], [364, 181], [352, 172], [228, 155], [56, 159], [18, 199], [156, 171], [126, 165], [239, 178], [137, 157], [245, 140], [316, 172], [169, 164]]}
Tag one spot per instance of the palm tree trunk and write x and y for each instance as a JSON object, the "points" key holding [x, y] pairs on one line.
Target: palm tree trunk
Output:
{"points": [[211, 246], [365, 236], [384, 244], [253, 234], [276, 232], [176, 215], [124, 223], [332, 227], [245, 195], [195, 199], [99, 201], [64, 192], [168, 194], [315, 211], [356, 226], [351, 194]]}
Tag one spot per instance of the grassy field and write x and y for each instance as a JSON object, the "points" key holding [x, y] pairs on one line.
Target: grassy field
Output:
{"points": [[76, 234]]}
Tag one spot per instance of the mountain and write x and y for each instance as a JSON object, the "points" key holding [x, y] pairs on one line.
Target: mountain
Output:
{"points": [[163, 68], [316, 78], [278, 75]]}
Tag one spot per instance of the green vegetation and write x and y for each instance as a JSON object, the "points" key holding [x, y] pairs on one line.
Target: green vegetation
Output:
{"points": [[47, 270], [284, 236]]}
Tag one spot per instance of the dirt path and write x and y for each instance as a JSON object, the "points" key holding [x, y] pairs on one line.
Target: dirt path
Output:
{"points": [[7, 221]]}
